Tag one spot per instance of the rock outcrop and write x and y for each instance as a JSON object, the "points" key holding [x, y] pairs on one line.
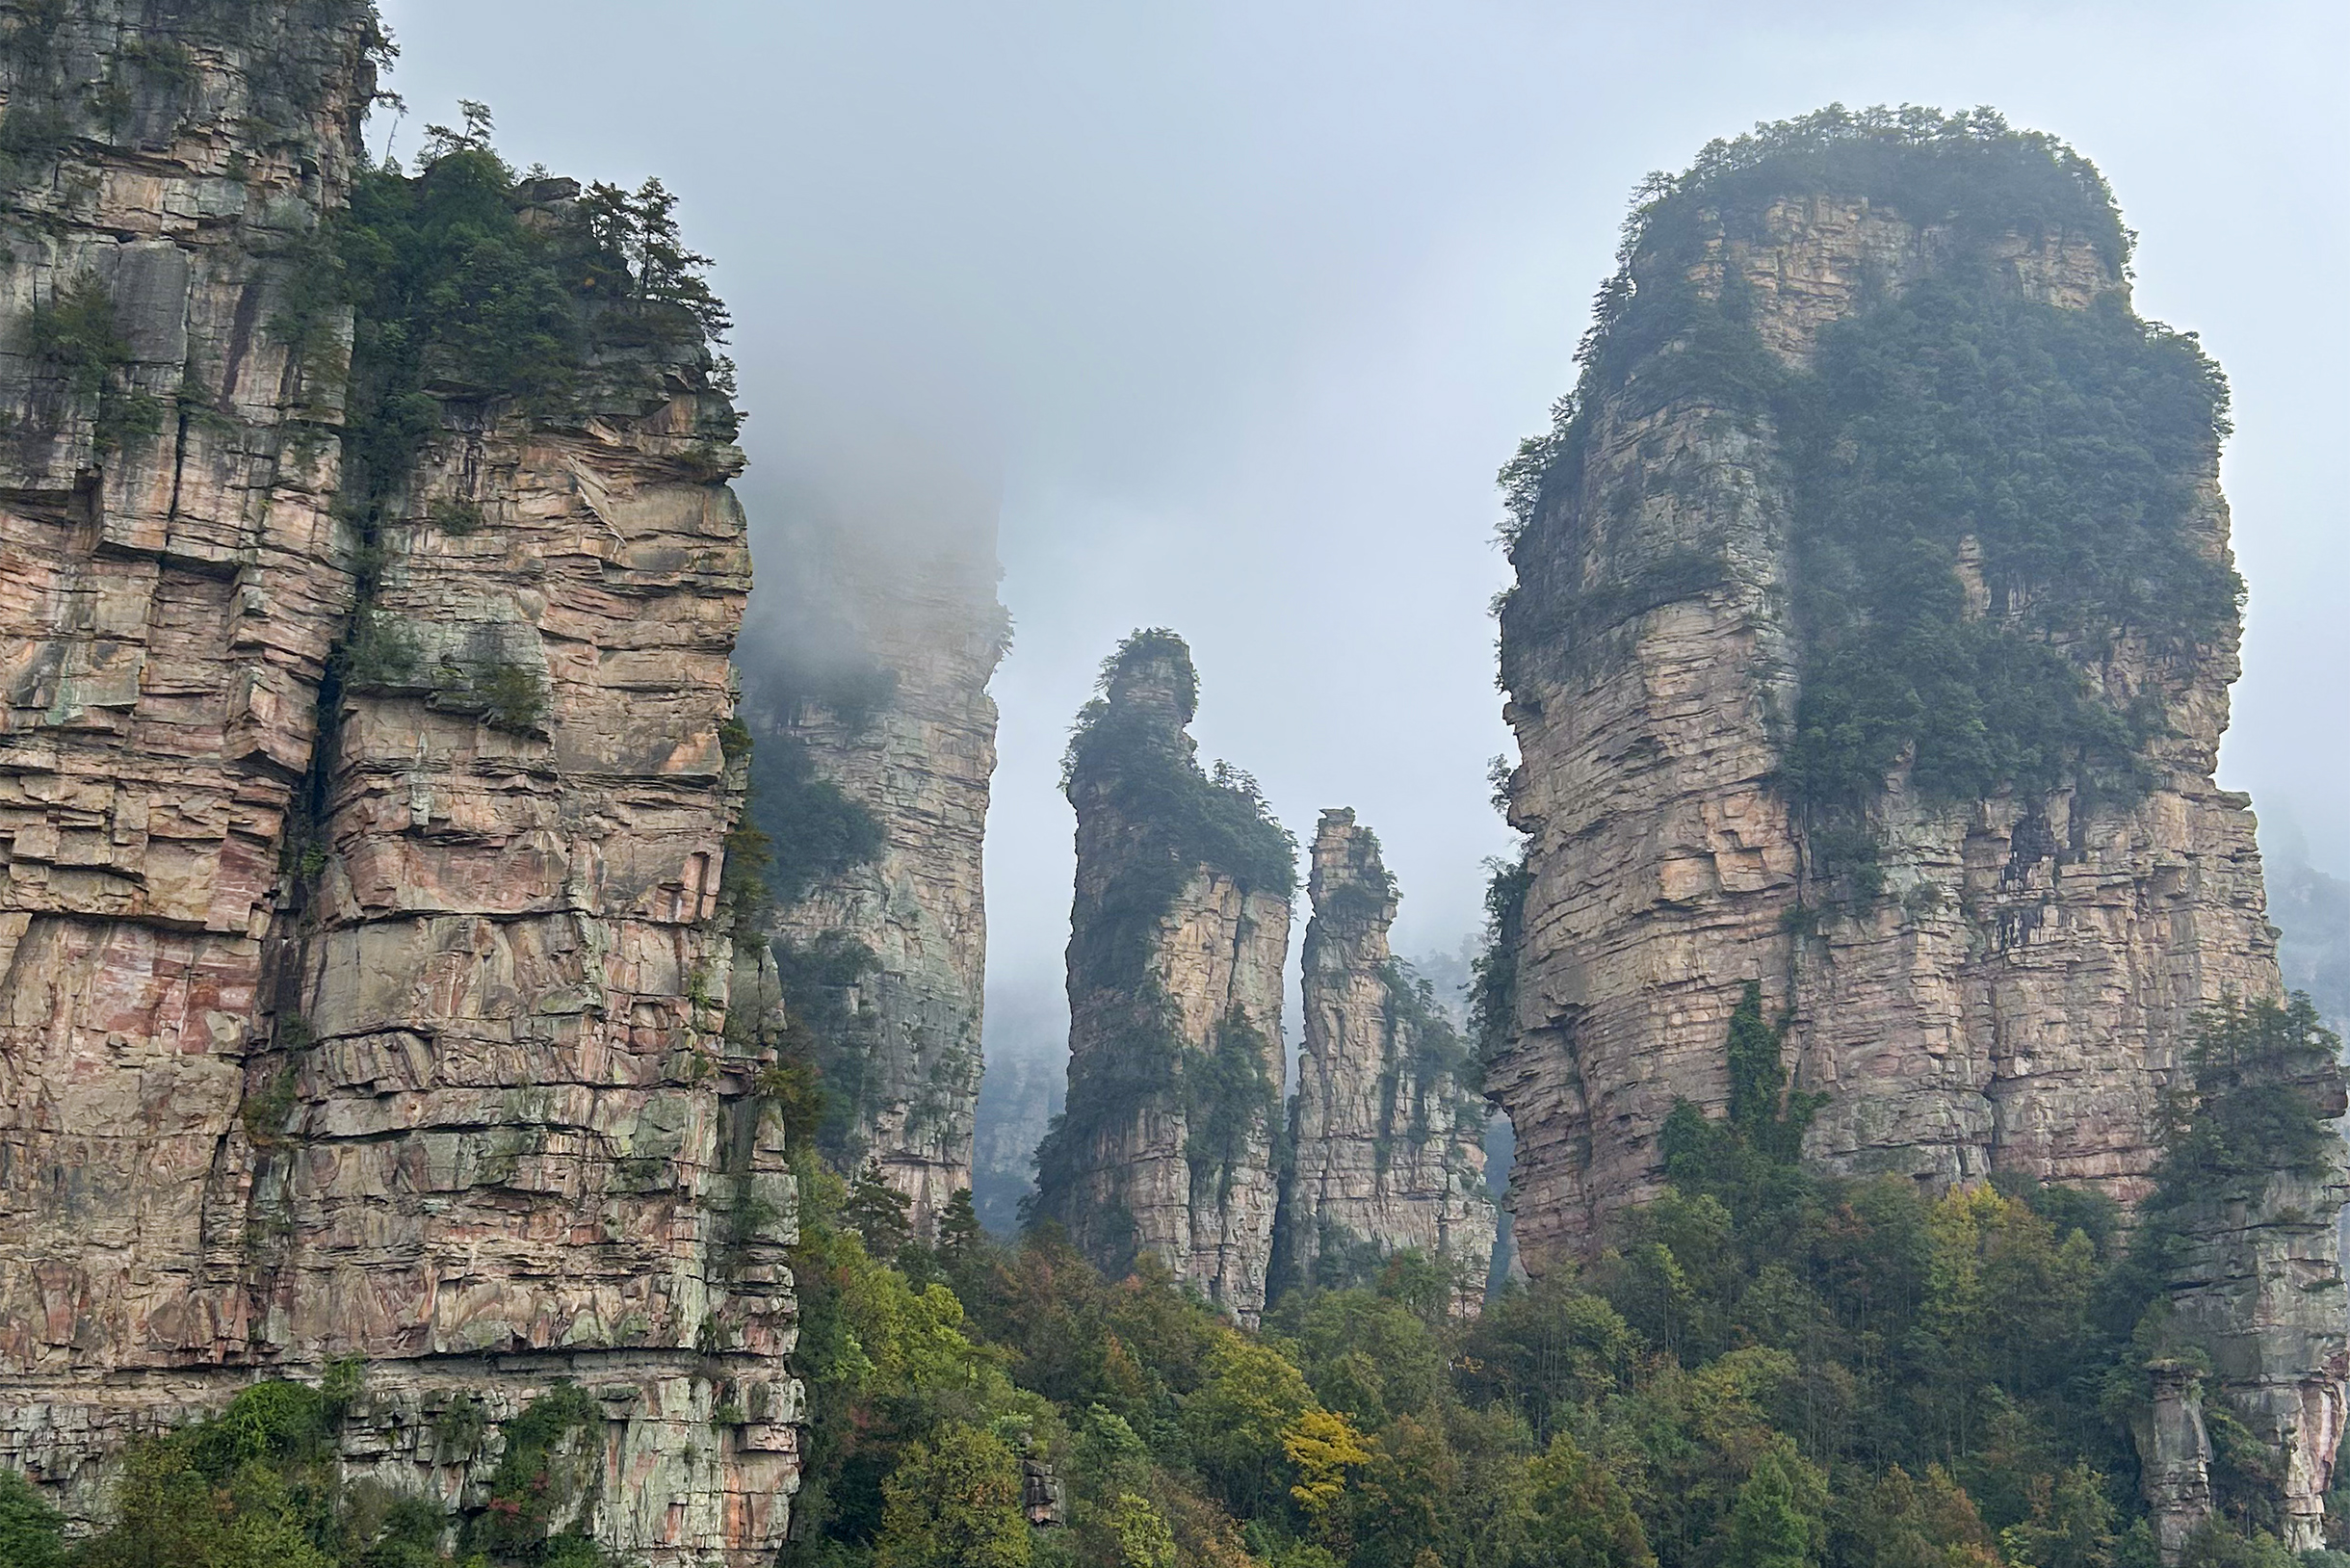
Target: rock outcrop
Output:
{"points": [[1387, 1131], [1179, 934], [906, 737], [1999, 980], [366, 971], [2257, 1287]]}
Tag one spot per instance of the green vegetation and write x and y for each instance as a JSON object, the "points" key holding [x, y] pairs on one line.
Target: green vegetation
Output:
{"points": [[75, 337], [548, 1474], [471, 288], [471, 284], [1770, 1367], [259, 1485], [2053, 451], [1129, 760], [815, 831], [1493, 991]]}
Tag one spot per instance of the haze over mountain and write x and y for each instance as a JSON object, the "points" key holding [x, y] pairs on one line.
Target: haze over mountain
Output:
{"points": [[1237, 309]]}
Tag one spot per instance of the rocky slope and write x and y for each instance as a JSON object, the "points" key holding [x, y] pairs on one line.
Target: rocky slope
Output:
{"points": [[910, 743], [1387, 1129], [367, 976], [1179, 932], [2008, 986]]}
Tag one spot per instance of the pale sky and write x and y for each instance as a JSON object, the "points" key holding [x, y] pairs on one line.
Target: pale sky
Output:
{"points": [[1237, 304]]}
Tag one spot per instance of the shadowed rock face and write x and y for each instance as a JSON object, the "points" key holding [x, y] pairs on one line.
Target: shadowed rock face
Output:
{"points": [[400, 1029], [2017, 997], [1387, 1140], [1175, 989]]}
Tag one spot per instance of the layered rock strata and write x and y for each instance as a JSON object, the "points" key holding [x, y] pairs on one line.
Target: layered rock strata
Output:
{"points": [[2015, 996], [1176, 951], [1387, 1128], [920, 623], [393, 1025]]}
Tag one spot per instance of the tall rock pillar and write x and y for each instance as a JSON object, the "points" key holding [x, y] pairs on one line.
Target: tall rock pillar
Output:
{"points": [[2255, 1276], [1387, 1129], [364, 921], [871, 707], [172, 579], [1989, 917], [1179, 934]]}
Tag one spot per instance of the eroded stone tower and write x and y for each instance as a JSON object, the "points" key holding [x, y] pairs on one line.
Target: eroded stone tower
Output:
{"points": [[1179, 934], [1387, 1129]]}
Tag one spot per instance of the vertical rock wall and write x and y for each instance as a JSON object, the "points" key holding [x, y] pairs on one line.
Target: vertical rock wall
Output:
{"points": [[923, 617], [1387, 1140], [520, 1128], [2015, 1001], [171, 581], [1175, 989], [396, 1030]]}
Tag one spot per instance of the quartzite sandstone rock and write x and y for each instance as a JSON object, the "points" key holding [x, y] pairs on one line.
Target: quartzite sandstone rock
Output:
{"points": [[2017, 1000], [1135, 1172], [1387, 1140], [429, 1066], [921, 612]]}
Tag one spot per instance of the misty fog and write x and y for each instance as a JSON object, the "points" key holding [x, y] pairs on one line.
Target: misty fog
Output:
{"points": [[1222, 316]]}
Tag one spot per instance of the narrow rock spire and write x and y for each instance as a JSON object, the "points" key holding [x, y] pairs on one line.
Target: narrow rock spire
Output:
{"points": [[1178, 936], [1388, 1129]]}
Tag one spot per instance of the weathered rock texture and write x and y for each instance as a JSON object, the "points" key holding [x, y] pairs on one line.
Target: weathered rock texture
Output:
{"points": [[2257, 1285], [392, 1031], [921, 622], [2174, 1455], [1386, 1132], [2017, 999], [1175, 991]]}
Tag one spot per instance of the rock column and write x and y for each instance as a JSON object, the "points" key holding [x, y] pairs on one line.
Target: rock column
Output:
{"points": [[171, 581], [918, 622], [2015, 995], [353, 1011], [1179, 935], [1387, 1128]]}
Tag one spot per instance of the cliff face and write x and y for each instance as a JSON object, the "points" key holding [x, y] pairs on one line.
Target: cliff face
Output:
{"points": [[1387, 1135], [2256, 1283], [911, 749], [1978, 979], [1179, 932], [366, 978]]}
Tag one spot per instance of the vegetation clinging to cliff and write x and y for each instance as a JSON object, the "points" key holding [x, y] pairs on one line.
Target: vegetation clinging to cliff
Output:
{"points": [[2055, 452], [1770, 1365], [1129, 758]]}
